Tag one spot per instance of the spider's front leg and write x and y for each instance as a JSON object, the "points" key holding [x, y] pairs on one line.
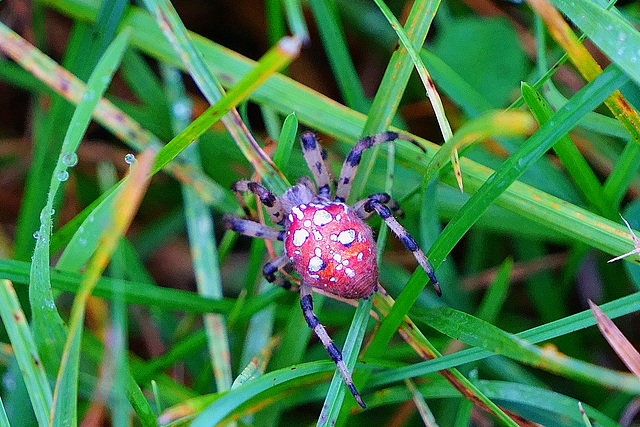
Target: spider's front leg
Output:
{"points": [[315, 161], [252, 228], [350, 165], [306, 302], [268, 199], [383, 198], [406, 239]]}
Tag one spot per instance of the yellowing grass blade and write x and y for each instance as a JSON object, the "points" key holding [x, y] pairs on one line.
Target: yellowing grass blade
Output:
{"points": [[64, 396]]}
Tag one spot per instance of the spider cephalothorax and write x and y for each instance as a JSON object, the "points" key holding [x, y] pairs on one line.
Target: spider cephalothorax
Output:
{"points": [[327, 242]]}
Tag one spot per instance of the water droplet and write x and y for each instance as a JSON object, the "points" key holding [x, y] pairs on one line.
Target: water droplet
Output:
{"points": [[53, 212], [36, 235], [129, 158], [622, 36], [621, 51], [70, 159], [82, 241], [63, 176], [88, 95], [49, 303], [181, 110]]}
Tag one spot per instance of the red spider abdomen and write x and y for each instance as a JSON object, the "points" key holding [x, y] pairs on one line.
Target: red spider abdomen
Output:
{"points": [[332, 249]]}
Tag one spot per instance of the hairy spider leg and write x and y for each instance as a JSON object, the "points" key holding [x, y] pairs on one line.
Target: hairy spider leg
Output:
{"points": [[383, 198], [306, 302], [405, 238], [350, 165], [268, 199], [313, 156], [252, 228]]}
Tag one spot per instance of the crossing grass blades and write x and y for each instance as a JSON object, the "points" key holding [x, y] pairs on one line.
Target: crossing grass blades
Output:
{"points": [[326, 241]]}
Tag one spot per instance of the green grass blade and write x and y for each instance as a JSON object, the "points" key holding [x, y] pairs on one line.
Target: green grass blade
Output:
{"points": [[495, 296], [202, 240], [585, 100], [4, 421], [229, 401], [295, 19], [47, 324], [286, 141], [337, 389], [26, 353], [608, 30], [275, 59], [569, 155], [584, 319], [473, 331], [335, 46], [64, 408]]}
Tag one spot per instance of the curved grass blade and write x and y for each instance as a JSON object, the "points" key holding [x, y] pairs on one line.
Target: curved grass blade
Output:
{"points": [[47, 325], [473, 331], [295, 18], [64, 397], [26, 352], [495, 124]]}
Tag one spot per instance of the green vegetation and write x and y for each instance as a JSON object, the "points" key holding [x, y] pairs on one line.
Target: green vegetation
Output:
{"points": [[182, 329]]}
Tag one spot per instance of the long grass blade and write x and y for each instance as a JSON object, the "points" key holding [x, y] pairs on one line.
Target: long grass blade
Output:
{"points": [[26, 352], [63, 411], [47, 324]]}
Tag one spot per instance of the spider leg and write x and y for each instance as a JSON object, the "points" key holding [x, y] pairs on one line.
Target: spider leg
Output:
{"points": [[383, 198], [252, 228], [350, 165], [270, 268], [306, 303], [405, 238], [268, 199], [314, 158]]}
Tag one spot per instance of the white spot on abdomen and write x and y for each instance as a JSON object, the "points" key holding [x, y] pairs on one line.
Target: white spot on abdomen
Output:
{"points": [[322, 217], [346, 237], [299, 237], [315, 264]]}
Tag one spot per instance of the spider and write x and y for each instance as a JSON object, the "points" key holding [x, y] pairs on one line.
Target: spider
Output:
{"points": [[327, 242]]}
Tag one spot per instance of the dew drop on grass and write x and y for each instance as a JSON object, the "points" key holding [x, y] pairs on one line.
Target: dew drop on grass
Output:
{"points": [[129, 158], [63, 176], [36, 235], [82, 241], [70, 159]]}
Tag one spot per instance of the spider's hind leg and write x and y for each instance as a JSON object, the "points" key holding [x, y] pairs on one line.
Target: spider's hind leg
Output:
{"points": [[268, 199], [306, 302], [406, 239]]}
